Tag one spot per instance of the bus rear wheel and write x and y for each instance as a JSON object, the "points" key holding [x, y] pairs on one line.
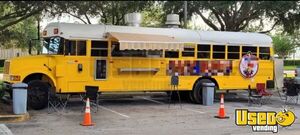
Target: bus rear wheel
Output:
{"points": [[197, 91], [37, 94], [191, 97]]}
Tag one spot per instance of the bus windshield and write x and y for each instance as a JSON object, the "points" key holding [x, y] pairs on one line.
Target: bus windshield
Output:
{"points": [[53, 45]]}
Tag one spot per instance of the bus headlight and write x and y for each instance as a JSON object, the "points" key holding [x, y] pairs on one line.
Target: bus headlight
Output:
{"points": [[15, 78]]}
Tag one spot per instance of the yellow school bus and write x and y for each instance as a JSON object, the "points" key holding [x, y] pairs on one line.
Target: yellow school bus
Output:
{"points": [[127, 58]]}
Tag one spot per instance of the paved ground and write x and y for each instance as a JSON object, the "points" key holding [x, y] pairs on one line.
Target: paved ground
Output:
{"points": [[4, 130], [148, 115]]}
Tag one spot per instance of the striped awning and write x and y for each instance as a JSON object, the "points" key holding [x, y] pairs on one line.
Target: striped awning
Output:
{"points": [[130, 41]]}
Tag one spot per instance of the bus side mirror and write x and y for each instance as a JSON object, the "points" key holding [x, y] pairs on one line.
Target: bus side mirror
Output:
{"points": [[79, 67]]}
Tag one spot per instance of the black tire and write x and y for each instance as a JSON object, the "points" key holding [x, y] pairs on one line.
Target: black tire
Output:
{"points": [[197, 91], [37, 94], [191, 97]]}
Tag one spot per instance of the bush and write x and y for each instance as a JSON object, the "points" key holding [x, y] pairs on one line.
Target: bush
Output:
{"points": [[2, 63], [291, 62]]}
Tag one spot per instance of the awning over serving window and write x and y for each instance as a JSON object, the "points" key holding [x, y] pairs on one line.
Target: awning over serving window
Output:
{"points": [[132, 41]]}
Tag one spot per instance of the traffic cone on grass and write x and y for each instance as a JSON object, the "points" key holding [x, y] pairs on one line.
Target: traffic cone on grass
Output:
{"points": [[221, 114], [87, 120]]}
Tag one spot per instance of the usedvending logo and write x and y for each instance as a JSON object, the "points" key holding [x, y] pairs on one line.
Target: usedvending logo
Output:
{"points": [[264, 121]]}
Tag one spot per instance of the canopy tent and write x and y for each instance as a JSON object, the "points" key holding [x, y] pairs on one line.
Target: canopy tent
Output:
{"points": [[130, 41]]}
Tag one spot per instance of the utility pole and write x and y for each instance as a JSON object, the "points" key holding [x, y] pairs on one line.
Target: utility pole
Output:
{"points": [[185, 14]]}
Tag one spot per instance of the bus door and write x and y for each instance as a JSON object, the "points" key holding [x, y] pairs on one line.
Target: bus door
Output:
{"points": [[99, 54], [76, 64]]}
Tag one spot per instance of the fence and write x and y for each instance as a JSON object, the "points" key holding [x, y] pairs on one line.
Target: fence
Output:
{"points": [[13, 52]]}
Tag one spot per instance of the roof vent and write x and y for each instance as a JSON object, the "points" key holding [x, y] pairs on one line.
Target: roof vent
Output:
{"points": [[133, 19], [172, 21]]}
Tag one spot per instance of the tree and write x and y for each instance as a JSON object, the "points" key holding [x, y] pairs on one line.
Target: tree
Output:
{"points": [[18, 22], [237, 15], [20, 34], [153, 16], [13, 12], [109, 12], [81, 10], [113, 12], [283, 45]]}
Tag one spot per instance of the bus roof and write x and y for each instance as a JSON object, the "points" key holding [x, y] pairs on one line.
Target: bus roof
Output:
{"points": [[98, 32]]}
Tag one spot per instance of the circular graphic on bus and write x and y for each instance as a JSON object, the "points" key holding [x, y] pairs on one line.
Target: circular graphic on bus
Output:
{"points": [[249, 65]]}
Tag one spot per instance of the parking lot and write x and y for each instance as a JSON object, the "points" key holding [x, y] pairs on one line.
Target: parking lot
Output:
{"points": [[148, 114]]}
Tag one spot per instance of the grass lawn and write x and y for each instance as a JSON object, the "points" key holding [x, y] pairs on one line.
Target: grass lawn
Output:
{"points": [[285, 68], [1, 69]]}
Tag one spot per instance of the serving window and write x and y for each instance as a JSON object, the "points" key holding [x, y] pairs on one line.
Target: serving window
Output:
{"points": [[116, 52]]}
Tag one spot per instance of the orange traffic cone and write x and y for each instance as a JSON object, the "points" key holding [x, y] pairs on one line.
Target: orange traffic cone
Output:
{"points": [[87, 120], [222, 109]]}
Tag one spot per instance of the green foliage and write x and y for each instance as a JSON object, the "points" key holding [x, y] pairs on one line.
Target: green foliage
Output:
{"points": [[113, 12], [237, 15], [20, 34], [289, 67], [18, 22], [291, 62], [153, 16], [13, 12], [1, 63], [283, 45], [109, 12]]}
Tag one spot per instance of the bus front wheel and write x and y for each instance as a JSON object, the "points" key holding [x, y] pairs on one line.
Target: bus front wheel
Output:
{"points": [[197, 91], [37, 94]]}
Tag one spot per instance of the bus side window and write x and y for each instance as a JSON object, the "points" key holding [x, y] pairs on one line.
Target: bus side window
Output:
{"points": [[219, 52], [233, 52], [99, 48], [171, 54], [264, 53], [81, 48], [188, 51], [251, 49], [203, 51], [70, 47]]}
